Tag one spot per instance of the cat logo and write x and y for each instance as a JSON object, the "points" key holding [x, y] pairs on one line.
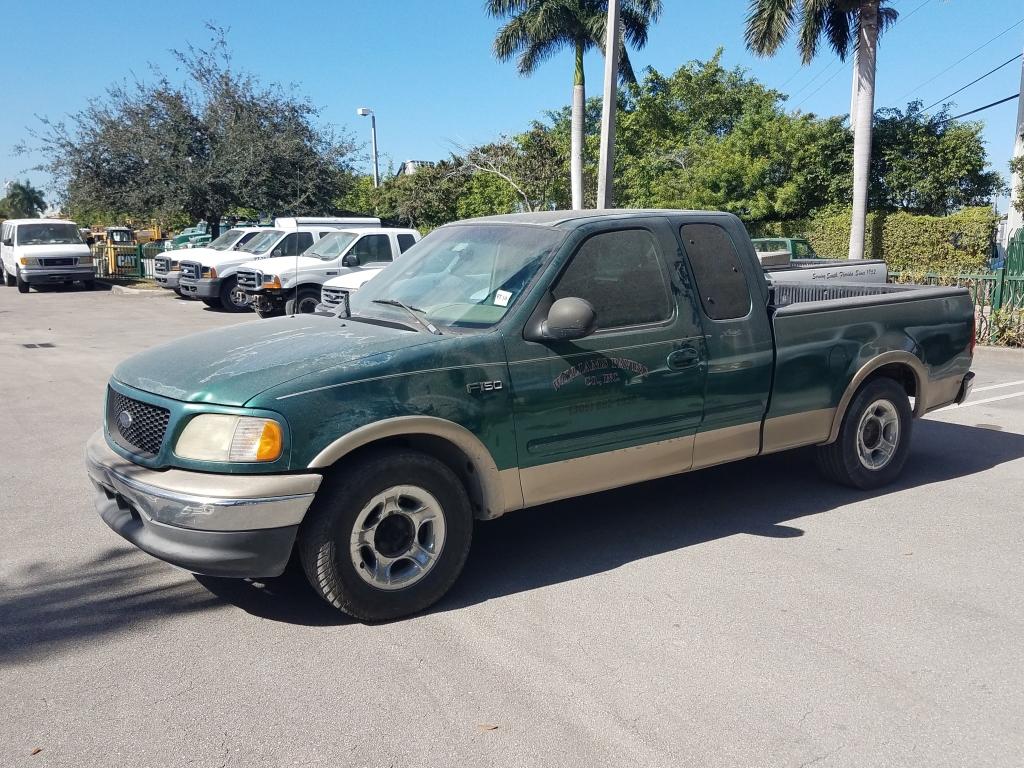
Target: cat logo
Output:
{"points": [[483, 386]]}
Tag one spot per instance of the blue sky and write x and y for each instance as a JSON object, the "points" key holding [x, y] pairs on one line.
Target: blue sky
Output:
{"points": [[426, 67]]}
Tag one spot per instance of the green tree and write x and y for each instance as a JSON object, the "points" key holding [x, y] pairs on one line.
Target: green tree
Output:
{"points": [[537, 29], [23, 201], [928, 164], [220, 141], [846, 25]]}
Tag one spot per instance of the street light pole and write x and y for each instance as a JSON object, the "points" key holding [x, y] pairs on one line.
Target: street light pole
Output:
{"points": [[606, 166], [1014, 218], [363, 112]]}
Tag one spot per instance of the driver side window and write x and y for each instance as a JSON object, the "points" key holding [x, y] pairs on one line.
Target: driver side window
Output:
{"points": [[372, 248]]}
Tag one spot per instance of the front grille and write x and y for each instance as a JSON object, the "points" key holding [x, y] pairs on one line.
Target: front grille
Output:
{"points": [[142, 429], [161, 265], [335, 298], [191, 270], [66, 262], [249, 279]]}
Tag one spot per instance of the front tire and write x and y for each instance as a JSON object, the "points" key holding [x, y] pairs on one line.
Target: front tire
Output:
{"points": [[22, 285], [387, 535], [212, 303], [227, 299], [303, 304], [874, 439]]}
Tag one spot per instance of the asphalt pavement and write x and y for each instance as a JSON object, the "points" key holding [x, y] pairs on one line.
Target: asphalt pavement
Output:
{"points": [[746, 615]]}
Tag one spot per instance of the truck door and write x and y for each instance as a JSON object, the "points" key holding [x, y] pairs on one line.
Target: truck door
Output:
{"points": [[738, 341], [623, 404]]}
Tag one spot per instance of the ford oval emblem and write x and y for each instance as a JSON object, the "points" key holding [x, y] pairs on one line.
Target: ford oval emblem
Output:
{"points": [[124, 420]]}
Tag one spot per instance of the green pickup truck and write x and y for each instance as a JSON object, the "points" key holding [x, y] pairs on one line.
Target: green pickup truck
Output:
{"points": [[502, 363]]}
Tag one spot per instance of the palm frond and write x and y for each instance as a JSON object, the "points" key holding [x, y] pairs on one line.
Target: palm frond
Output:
{"points": [[840, 27], [502, 8], [768, 23]]}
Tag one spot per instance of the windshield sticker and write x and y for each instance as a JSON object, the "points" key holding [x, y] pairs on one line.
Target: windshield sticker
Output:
{"points": [[600, 371], [502, 298]]}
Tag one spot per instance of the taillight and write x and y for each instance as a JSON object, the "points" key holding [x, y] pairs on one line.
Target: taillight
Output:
{"points": [[974, 333]]}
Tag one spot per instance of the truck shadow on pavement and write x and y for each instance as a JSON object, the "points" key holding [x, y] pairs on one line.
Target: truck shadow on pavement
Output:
{"points": [[577, 538], [51, 607], [45, 607]]}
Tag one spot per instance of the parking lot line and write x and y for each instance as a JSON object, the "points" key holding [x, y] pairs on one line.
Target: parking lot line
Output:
{"points": [[979, 402], [999, 386]]}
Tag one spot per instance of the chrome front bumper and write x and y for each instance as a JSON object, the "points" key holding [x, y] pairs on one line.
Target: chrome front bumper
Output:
{"points": [[36, 275], [168, 279], [221, 525]]}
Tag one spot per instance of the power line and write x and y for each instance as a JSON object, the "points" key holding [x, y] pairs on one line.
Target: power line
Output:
{"points": [[903, 18], [981, 109], [810, 95], [954, 93], [960, 61]]}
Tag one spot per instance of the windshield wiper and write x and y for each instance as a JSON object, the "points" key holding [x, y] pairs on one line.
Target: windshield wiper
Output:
{"points": [[412, 312]]}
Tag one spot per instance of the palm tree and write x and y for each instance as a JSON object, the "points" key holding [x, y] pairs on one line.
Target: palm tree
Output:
{"points": [[846, 25], [538, 29], [24, 201]]}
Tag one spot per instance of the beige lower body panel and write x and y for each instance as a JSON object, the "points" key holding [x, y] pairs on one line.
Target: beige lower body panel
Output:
{"points": [[717, 446], [797, 429], [603, 471]]}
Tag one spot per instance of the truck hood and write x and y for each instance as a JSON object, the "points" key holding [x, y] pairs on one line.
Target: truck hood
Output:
{"points": [[353, 280], [230, 366], [208, 257], [41, 251], [284, 265]]}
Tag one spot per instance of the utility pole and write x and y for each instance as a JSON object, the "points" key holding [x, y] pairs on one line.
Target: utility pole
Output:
{"points": [[609, 101], [1014, 218]]}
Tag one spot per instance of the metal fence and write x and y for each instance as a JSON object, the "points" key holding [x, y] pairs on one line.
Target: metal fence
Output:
{"points": [[126, 261], [998, 295]]}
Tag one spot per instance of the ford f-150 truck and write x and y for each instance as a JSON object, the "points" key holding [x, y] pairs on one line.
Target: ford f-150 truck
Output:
{"points": [[292, 285], [502, 363]]}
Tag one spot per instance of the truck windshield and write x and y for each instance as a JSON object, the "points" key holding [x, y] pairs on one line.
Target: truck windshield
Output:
{"points": [[49, 234], [461, 276], [226, 240], [331, 246], [262, 242]]}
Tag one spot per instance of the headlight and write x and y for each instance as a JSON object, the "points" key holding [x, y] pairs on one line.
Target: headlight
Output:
{"points": [[209, 271], [27, 262], [174, 266], [221, 437], [271, 281]]}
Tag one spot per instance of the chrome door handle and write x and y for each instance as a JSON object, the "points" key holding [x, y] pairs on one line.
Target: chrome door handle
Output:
{"points": [[683, 358]]}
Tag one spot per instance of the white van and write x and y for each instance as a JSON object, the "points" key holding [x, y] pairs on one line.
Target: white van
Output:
{"points": [[210, 275], [37, 251]]}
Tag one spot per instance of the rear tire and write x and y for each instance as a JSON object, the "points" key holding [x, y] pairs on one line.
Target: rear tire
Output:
{"points": [[303, 304], [227, 288], [387, 535], [22, 285], [874, 439]]}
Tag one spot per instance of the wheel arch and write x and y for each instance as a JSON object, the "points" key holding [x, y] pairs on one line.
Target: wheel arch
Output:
{"points": [[903, 367], [492, 492]]}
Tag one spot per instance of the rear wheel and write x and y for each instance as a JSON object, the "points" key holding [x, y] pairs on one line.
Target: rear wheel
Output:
{"points": [[387, 536], [22, 285], [874, 438], [304, 304], [228, 289]]}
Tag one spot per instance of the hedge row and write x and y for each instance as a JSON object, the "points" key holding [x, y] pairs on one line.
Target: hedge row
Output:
{"points": [[959, 243]]}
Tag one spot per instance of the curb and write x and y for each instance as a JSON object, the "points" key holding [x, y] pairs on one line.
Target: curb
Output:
{"points": [[124, 290]]}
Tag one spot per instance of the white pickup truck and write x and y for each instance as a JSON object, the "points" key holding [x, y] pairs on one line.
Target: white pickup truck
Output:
{"points": [[291, 285], [212, 275], [167, 269], [336, 292]]}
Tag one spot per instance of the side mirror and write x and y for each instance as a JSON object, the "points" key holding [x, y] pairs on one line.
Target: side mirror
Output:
{"points": [[569, 318], [8, 242], [351, 260]]}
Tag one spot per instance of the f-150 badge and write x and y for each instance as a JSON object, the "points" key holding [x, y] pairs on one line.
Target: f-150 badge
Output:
{"points": [[484, 386]]}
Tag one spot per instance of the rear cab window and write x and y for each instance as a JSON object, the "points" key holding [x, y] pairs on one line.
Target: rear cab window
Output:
{"points": [[405, 242], [717, 271]]}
